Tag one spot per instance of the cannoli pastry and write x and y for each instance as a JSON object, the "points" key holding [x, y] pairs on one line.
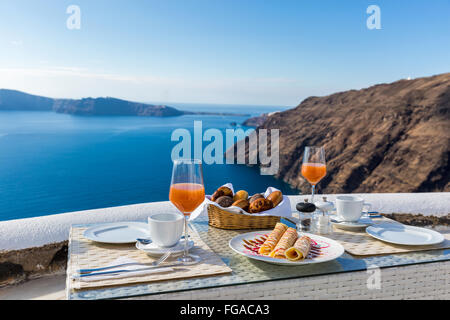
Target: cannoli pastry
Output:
{"points": [[299, 250], [276, 197], [286, 241], [273, 238]]}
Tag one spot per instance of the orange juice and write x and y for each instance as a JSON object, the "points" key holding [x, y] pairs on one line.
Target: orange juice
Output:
{"points": [[186, 196], [314, 172]]}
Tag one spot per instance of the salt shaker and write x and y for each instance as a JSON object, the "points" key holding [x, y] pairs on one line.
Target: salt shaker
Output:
{"points": [[322, 220]]}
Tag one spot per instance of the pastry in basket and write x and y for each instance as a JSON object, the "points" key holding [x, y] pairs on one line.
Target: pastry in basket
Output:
{"points": [[276, 197], [286, 241], [300, 249], [222, 191], [273, 238], [255, 196], [242, 203], [224, 201], [240, 195], [259, 205]]}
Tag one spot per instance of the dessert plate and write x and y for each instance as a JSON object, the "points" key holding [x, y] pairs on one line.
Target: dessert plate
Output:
{"points": [[404, 235], [153, 250], [117, 232], [322, 250]]}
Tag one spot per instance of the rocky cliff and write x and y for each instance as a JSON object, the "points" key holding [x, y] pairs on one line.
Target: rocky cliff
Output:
{"points": [[386, 138]]}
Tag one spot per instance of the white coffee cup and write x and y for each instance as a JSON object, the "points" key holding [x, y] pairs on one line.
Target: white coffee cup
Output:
{"points": [[165, 228], [350, 208]]}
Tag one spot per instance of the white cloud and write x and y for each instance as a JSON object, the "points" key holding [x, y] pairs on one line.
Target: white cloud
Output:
{"points": [[16, 43], [77, 82]]}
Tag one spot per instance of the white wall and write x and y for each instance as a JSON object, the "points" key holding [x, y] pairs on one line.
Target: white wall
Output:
{"points": [[35, 232]]}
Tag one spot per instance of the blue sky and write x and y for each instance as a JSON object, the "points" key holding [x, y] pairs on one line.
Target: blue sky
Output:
{"points": [[271, 52]]}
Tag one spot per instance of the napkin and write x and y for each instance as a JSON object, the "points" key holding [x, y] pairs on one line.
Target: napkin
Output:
{"points": [[124, 274], [283, 209]]}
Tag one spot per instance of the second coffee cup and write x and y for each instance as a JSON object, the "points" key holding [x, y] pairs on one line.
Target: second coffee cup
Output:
{"points": [[350, 208], [165, 228]]}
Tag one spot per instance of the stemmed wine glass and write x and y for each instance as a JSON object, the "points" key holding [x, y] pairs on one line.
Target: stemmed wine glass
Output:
{"points": [[187, 192], [314, 166]]}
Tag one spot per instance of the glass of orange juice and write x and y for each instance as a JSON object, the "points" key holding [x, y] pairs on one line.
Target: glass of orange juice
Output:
{"points": [[187, 192], [314, 166]]}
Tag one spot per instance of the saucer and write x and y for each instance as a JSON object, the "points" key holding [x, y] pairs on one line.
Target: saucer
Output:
{"points": [[361, 223], [153, 250]]}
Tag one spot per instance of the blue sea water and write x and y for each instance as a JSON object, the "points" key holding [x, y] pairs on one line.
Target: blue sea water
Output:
{"points": [[53, 163]]}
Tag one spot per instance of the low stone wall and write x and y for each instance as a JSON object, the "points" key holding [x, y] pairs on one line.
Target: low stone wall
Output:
{"points": [[419, 220], [21, 265], [33, 247]]}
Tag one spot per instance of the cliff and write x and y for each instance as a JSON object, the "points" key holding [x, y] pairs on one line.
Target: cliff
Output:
{"points": [[255, 121], [258, 120], [386, 138]]}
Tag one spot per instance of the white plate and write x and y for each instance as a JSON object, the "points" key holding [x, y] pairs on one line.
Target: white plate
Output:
{"points": [[328, 248], [361, 223], [117, 232], [153, 250], [405, 235]]}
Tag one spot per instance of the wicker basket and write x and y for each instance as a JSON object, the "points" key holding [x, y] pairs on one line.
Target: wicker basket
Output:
{"points": [[234, 221]]}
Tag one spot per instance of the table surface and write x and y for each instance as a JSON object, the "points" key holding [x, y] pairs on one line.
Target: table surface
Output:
{"points": [[247, 271]]}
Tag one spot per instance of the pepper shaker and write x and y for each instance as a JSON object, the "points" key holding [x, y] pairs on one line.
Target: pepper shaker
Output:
{"points": [[305, 210]]}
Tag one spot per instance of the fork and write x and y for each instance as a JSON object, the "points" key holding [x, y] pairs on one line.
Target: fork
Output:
{"points": [[153, 264]]}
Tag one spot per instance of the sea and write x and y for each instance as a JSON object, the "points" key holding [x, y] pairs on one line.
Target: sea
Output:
{"points": [[53, 163]]}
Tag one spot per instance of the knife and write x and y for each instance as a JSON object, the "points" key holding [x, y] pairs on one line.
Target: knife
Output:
{"points": [[78, 275]]}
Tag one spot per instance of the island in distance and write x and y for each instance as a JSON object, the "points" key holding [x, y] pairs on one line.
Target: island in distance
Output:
{"points": [[14, 100]]}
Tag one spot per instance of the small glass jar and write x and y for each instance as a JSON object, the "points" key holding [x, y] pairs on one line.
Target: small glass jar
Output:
{"points": [[321, 223], [304, 224], [305, 214]]}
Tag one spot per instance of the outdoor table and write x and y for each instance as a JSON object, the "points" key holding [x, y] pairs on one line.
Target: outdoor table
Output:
{"points": [[414, 275]]}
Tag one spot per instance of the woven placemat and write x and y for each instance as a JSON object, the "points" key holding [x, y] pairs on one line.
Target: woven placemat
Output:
{"points": [[84, 253], [359, 243]]}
